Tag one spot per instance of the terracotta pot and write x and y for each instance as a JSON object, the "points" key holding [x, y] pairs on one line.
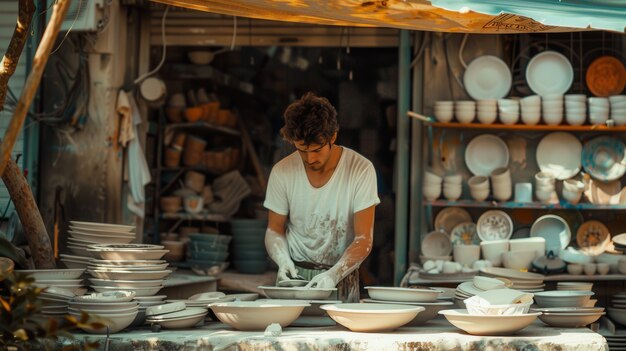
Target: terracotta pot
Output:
{"points": [[223, 116], [174, 114], [172, 157], [207, 194], [193, 114], [222, 161], [209, 230], [212, 108], [177, 250], [194, 147], [210, 159], [179, 140], [194, 181], [170, 204], [183, 232]]}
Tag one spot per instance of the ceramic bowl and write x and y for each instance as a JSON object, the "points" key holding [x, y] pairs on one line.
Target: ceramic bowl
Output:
{"points": [[560, 298], [115, 322], [372, 317], [257, 315], [518, 260], [492, 250], [575, 268], [397, 294], [489, 325], [487, 283], [296, 293], [466, 254], [200, 57], [53, 273]]}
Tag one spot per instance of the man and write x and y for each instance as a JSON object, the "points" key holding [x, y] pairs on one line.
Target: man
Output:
{"points": [[321, 202]]}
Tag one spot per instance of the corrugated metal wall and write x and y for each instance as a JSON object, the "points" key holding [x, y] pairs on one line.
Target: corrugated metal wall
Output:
{"points": [[8, 17]]}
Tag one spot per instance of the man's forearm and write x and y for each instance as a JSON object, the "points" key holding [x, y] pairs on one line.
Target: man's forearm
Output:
{"points": [[277, 247], [354, 255]]}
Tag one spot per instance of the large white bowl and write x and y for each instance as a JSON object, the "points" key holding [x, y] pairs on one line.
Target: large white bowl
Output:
{"points": [[562, 298], [126, 275], [96, 306], [617, 314], [127, 283], [257, 315], [115, 322], [179, 323], [104, 226], [554, 229], [370, 317], [430, 309], [570, 320], [102, 238], [402, 294], [139, 254], [296, 293], [489, 325], [53, 273]]}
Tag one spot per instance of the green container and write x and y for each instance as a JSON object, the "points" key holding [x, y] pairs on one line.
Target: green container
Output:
{"points": [[211, 238], [208, 255]]}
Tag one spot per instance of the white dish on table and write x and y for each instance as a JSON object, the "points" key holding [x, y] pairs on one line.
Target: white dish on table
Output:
{"points": [[488, 325], [296, 293], [257, 315], [549, 73], [95, 231], [179, 323], [116, 322], [485, 153], [487, 77], [104, 226], [562, 298], [109, 296], [569, 320], [127, 275], [167, 308], [127, 283], [101, 239], [402, 294], [149, 291], [372, 317], [138, 254], [156, 267], [511, 274], [559, 153]]}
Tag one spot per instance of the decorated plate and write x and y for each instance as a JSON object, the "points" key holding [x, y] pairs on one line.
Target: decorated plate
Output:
{"points": [[604, 158], [485, 153], [494, 225], [559, 154], [593, 237], [606, 76], [449, 217], [549, 73], [487, 77], [464, 234]]}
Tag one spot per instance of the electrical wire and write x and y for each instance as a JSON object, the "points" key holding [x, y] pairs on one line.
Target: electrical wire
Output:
{"points": [[164, 44], [234, 39], [80, 5], [461, 49]]}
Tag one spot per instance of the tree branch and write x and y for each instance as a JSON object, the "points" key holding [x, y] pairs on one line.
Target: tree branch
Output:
{"points": [[32, 83], [16, 46]]}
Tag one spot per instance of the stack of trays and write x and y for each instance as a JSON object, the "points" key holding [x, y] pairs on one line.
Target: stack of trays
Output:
{"points": [[207, 250], [427, 298], [82, 235], [522, 281], [249, 245], [129, 267], [118, 310]]}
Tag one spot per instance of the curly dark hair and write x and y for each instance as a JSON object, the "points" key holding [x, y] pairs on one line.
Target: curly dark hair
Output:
{"points": [[311, 119]]}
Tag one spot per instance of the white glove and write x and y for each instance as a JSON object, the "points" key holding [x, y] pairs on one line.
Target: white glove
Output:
{"points": [[287, 270], [325, 280]]}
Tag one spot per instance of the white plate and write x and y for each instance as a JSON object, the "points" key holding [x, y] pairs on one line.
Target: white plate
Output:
{"points": [[559, 154], [149, 291], [117, 232], [96, 225], [549, 73], [402, 294], [127, 275], [604, 158], [129, 254], [127, 283], [101, 239], [489, 325], [464, 234], [485, 153], [53, 273], [554, 229], [511, 274], [436, 243], [487, 77], [494, 225], [449, 217]]}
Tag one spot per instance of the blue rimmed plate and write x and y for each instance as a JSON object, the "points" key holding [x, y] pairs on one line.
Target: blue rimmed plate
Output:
{"points": [[604, 158]]}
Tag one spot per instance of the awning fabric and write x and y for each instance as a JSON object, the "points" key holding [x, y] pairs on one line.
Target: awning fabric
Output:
{"points": [[409, 14]]}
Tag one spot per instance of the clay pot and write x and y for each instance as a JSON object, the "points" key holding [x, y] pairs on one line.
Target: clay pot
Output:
{"points": [[193, 114], [209, 159], [194, 181], [209, 230], [177, 250], [194, 204], [174, 114], [170, 204], [179, 140], [212, 108], [172, 157], [194, 147], [223, 116], [222, 161], [185, 231], [207, 194], [232, 120]]}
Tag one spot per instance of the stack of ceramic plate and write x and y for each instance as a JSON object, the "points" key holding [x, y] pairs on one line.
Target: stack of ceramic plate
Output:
{"points": [[617, 311], [207, 250], [68, 281], [144, 303], [133, 267], [207, 298], [523, 281], [427, 298], [75, 262], [466, 290], [84, 234], [616, 340], [171, 316], [570, 317], [118, 308], [574, 286], [619, 241]]}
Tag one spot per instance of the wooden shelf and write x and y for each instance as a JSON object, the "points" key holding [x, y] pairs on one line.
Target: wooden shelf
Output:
{"points": [[523, 127], [189, 71], [212, 217], [514, 205], [203, 125]]}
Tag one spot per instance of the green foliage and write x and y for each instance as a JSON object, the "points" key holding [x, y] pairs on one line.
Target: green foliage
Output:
{"points": [[22, 325]]}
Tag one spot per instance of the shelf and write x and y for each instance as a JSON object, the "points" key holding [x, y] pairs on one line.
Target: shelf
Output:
{"points": [[516, 205], [197, 217], [188, 71], [523, 127], [203, 125], [548, 278]]}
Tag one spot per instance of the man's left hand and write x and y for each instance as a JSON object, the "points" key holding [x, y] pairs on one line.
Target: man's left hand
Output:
{"points": [[325, 280]]}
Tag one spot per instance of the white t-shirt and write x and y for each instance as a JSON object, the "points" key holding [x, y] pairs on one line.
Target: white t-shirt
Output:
{"points": [[320, 224]]}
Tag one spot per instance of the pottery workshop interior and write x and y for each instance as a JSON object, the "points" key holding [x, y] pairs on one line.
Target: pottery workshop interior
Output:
{"points": [[312, 175]]}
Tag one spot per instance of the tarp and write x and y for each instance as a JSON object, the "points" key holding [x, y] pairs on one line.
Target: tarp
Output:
{"points": [[409, 14]]}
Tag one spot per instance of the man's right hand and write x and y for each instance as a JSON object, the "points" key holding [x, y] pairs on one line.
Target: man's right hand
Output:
{"points": [[287, 271]]}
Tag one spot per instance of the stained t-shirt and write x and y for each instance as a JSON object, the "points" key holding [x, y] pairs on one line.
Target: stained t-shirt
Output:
{"points": [[320, 220]]}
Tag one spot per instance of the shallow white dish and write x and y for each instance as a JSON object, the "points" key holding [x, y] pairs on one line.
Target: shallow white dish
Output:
{"points": [[173, 310], [179, 323], [156, 267], [436, 243], [511, 274], [485, 153], [562, 298], [127, 262], [569, 320], [101, 239], [450, 217], [149, 291], [114, 322], [257, 315], [104, 226], [487, 77], [296, 293], [127, 283], [371, 317], [554, 229], [127, 275], [559, 153], [139, 254], [109, 296], [489, 325], [549, 73], [58, 274], [402, 294], [101, 231], [494, 225]]}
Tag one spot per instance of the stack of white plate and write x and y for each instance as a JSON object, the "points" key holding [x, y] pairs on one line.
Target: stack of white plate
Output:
{"points": [[76, 262], [523, 281], [84, 234], [117, 308], [144, 303], [427, 298], [61, 285], [55, 301], [175, 318], [131, 267], [617, 311], [616, 340], [466, 290], [574, 286], [570, 317]]}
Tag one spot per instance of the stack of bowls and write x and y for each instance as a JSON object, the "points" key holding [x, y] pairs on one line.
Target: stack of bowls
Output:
{"points": [[552, 109], [117, 309], [617, 311], [426, 298], [250, 256], [572, 190], [465, 111], [144, 303], [478, 285], [175, 315], [431, 188], [531, 109], [54, 301], [501, 184], [544, 187], [574, 286], [575, 109], [508, 110], [570, 317], [487, 111], [452, 187], [598, 110], [563, 298], [618, 109], [207, 250], [444, 111], [66, 280], [479, 187], [82, 235], [523, 281]]}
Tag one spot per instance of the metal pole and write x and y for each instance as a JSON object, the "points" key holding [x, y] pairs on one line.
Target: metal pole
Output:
{"points": [[402, 156]]}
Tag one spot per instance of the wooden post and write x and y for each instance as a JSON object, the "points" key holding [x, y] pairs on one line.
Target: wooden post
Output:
{"points": [[26, 207]]}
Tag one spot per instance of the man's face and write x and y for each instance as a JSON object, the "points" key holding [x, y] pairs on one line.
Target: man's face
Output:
{"points": [[314, 156]]}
